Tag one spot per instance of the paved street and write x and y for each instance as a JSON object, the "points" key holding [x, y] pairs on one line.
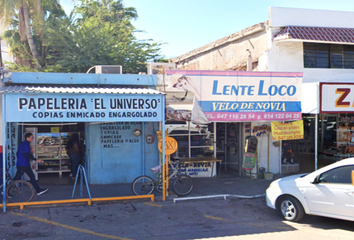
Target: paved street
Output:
{"points": [[195, 219]]}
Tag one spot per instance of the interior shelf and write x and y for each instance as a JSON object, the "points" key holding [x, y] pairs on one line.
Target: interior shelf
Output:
{"points": [[51, 148]]}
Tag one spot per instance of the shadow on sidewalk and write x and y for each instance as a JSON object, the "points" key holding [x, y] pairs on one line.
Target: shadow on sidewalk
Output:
{"points": [[225, 184]]}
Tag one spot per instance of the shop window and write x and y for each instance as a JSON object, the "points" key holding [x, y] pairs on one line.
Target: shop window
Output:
{"points": [[336, 136], [193, 140], [318, 55]]}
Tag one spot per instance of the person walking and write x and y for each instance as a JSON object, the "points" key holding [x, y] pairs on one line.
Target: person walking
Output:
{"points": [[24, 156], [73, 150]]}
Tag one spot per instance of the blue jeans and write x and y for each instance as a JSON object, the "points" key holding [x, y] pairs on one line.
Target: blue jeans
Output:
{"points": [[75, 161]]}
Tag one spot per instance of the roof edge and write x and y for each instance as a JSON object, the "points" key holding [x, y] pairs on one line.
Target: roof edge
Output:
{"points": [[77, 90], [36, 78], [230, 38]]}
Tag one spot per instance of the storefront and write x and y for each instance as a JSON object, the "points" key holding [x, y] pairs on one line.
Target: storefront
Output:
{"points": [[336, 122], [229, 107], [116, 124]]}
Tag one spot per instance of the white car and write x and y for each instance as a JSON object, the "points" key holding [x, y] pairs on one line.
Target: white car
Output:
{"points": [[327, 192]]}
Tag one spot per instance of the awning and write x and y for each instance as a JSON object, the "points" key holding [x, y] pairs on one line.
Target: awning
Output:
{"points": [[316, 34], [54, 89]]}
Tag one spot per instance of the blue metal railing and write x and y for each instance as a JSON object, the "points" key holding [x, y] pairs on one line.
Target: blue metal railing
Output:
{"points": [[81, 174]]}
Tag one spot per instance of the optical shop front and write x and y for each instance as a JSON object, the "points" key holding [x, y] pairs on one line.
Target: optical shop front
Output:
{"points": [[233, 109], [115, 127]]}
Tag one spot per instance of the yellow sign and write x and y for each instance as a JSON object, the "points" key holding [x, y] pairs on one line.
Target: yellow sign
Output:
{"points": [[54, 129], [159, 135], [171, 145], [288, 131]]}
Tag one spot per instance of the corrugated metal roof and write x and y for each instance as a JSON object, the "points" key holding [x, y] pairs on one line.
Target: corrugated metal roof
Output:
{"points": [[52, 89], [322, 34]]}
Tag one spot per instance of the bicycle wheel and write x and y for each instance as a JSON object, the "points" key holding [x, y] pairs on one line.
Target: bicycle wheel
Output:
{"points": [[20, 191], [143, 185], [183, 185]]}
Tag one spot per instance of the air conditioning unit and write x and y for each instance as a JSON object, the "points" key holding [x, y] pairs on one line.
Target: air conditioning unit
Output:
{"points": [[113, 69], [154, 68]]}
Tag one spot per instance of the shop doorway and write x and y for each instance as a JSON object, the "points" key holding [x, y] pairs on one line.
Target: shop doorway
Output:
{"points": [[229, 148], [299, 155], [50, 146]]}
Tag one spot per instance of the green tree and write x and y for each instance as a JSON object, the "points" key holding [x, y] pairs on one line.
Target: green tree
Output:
{"points": [[97, 32], [29, 49], [20, 9], [100, 32]]}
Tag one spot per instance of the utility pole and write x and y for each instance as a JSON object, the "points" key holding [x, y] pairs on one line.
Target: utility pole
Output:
{"points": [[1, 65]]}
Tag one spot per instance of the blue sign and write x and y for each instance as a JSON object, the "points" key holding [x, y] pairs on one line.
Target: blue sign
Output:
{"points": [[84, 107]]}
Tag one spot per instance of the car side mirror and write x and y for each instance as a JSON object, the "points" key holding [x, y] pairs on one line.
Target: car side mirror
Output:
{"points": [[316, 180]]}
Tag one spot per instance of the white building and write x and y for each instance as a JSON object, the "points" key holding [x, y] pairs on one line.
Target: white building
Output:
{"points": [[320, 44]]}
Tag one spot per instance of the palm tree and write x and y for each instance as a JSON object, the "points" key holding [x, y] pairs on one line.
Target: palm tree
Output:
{"points": [[9, 9]]}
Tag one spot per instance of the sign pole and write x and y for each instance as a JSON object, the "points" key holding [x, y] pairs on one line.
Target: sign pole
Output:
{"points": [[163, 183], [169, 146], [167, 177]]}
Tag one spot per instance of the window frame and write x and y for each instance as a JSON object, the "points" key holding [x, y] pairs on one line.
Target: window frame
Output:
{"points": [[322, 55]]}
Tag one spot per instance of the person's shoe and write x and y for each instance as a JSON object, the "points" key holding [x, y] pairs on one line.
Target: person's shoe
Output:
{"points": [[42, 191]]}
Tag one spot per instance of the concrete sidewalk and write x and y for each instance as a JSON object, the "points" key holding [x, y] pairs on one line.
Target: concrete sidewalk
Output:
{"points": [[202, 187]]}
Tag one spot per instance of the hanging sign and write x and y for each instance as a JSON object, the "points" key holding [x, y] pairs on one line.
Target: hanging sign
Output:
{"points": [[288, 131], [229, 96]]}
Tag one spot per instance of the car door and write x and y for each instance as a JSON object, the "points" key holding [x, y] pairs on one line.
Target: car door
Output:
{"points": [[332, 194]]}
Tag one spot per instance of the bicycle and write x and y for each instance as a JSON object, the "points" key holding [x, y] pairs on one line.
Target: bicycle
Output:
{"points": [[145, 185], [17, 191]]}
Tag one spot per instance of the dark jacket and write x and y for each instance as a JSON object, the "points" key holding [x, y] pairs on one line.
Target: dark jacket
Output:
{"points": [[24, 154]]}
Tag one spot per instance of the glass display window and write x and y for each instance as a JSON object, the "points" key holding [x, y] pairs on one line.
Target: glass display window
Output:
{"points": [[336, 138], [193, 140]]}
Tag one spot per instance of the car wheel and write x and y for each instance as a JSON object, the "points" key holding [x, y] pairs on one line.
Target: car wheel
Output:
{"points": [[291, 208]]}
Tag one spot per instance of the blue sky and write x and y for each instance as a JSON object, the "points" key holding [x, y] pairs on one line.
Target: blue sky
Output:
{"points": [[184, 25]]}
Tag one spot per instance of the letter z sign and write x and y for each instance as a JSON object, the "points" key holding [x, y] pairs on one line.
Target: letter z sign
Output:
{"points": [[337, 97], [343, 92]]}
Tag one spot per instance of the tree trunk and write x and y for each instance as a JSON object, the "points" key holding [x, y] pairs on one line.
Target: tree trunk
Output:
{"points": [[21, 25], [29, 34]]}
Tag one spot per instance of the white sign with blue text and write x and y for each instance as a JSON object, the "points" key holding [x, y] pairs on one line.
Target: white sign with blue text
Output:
{"points": [[242, 96], [84, 108]]}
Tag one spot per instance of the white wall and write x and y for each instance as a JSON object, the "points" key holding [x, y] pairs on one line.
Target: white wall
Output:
{"points": [[328, 75], [288, 56], [280, 17]]}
